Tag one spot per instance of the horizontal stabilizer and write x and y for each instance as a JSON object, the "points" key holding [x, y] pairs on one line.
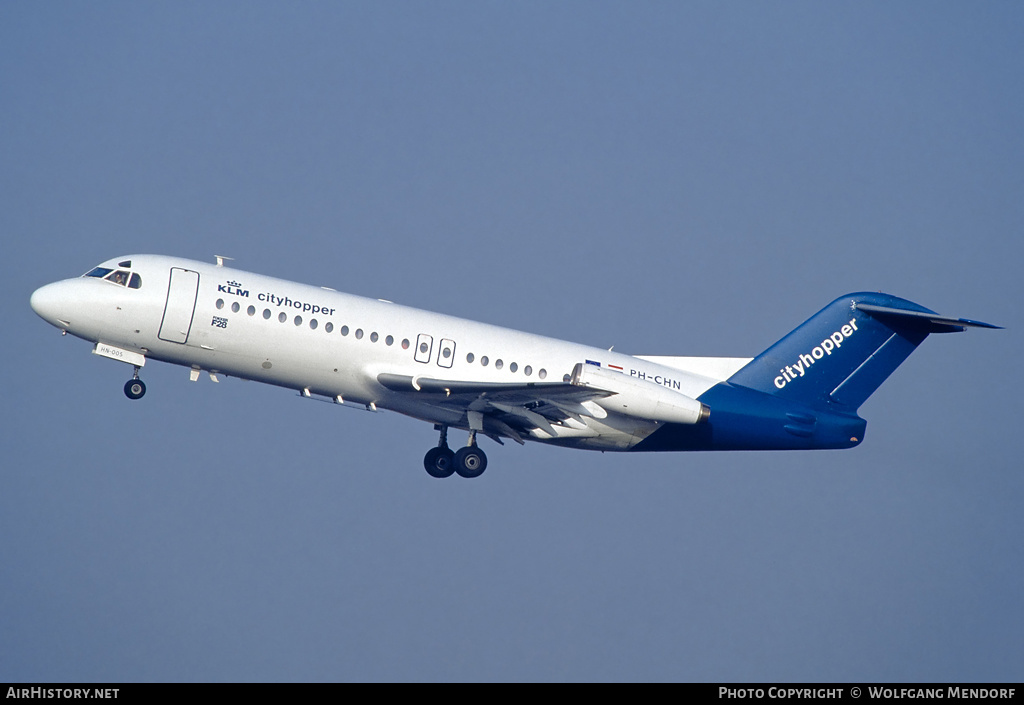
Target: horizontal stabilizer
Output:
{"points": [[939, 324]]}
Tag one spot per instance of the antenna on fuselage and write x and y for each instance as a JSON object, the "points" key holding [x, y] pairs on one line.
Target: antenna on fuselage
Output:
{"points": [[221, 258]]}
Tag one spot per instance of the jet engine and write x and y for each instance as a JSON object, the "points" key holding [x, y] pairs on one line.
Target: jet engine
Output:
{"points": [[639, 398]]}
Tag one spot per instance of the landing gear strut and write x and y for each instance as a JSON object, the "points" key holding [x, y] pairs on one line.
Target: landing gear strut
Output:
{"points": [[135, 388], [442, 462]]}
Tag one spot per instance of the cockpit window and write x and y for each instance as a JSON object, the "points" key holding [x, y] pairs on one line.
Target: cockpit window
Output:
{"points": [[127, 264], [119, 277]]}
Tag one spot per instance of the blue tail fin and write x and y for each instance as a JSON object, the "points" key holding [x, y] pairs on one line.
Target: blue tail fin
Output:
{"points": [[842, 354]]}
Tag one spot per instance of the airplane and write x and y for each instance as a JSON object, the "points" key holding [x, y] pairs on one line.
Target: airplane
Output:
{"points": [[803, 392]]}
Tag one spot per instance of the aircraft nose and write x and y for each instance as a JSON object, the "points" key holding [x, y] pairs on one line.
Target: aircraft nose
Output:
{"points": [[47, 301]]}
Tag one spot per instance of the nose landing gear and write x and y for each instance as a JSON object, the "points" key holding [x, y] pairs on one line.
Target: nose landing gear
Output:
{"points": [[468, 462], [135, 388]]}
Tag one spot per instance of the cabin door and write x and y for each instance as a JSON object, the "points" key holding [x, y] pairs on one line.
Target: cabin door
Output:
{"points": [[446, 353], [424, 345], [181, 305]]}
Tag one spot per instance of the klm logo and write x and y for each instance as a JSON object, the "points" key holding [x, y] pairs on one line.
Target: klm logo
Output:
{"points": [[233, 288]]}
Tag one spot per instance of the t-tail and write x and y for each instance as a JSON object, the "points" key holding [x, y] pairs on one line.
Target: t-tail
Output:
{"points": [[804, 391], [841, 355]]}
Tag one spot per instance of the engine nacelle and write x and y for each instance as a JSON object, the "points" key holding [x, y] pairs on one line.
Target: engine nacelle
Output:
{"points": [[639, 399]]}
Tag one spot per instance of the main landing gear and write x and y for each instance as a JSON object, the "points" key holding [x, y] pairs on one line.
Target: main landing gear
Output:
{"points": [[467, 462], [135, 388]]}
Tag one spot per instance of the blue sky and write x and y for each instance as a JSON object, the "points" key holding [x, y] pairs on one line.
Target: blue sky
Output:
{"points": [[669, 178]]}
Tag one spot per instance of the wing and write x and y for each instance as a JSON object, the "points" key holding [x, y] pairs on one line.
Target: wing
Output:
{"points": [[505, 409]]}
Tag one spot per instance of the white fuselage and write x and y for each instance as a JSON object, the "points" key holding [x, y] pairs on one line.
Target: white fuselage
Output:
{"points": [[324, 342]]}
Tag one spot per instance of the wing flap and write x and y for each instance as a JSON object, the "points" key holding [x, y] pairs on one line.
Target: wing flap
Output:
{"points": [[565, 393]]}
